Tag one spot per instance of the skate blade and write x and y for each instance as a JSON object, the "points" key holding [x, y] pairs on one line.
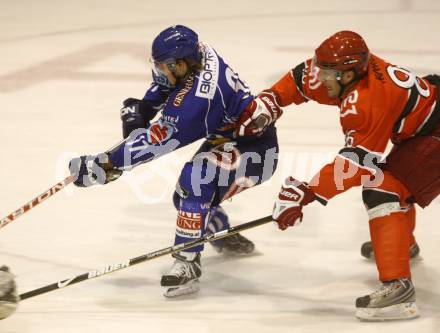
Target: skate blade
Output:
{"points": [[232, 254], [180, 290], [417, 258], [401, 311], [243, 251]]}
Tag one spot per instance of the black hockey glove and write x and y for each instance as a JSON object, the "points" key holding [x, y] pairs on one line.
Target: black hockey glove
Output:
{"points": [[135, 113], [93, 169]]}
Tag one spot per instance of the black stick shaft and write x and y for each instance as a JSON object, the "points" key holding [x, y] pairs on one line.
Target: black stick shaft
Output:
{"points": [[149, 256]]}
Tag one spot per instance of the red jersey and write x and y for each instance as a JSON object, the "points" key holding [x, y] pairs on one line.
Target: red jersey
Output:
{"points": [[389, 102]]}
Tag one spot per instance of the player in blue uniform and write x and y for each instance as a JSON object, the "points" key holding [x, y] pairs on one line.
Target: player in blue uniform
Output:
{"points": [[199, 96]]}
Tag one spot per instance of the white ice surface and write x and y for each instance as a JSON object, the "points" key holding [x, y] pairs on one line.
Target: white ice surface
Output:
{"points": [[65, 67]]}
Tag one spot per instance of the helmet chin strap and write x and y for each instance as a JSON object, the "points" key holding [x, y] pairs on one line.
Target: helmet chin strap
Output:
{"points": [[344, 86], [172, 68]]}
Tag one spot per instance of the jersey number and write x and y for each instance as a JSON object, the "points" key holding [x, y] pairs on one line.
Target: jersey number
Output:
{"points": [[351, 99], [235, 82], [405, 79]]}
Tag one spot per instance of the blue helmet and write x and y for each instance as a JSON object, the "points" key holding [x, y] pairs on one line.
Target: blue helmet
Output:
{"points": [[174, 43]]}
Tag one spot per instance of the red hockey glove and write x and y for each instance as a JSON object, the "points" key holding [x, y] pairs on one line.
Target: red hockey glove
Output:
{"points": [[293, 196], [259, 114]]}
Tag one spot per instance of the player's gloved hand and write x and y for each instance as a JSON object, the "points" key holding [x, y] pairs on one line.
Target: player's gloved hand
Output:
{"points": [[93, 169], [287, 210], [135, 114], [8, 293], [259, 114]]}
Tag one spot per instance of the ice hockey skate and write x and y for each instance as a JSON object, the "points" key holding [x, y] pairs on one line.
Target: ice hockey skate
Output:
{"points": [[183, 277], [394, 300], [229, 246], [8, 293], [233, 245], [368, 252]]}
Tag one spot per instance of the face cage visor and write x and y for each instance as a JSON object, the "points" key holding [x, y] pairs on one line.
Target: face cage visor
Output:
{"points": [[325, 74], [159, 71]]}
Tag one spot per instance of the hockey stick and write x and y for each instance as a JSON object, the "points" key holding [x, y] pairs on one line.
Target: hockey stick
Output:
{"points": [[39, 199], [149, 256], [43, 196]]}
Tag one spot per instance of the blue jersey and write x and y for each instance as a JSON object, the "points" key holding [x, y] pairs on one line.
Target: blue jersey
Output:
{"points": [[208, 104]]}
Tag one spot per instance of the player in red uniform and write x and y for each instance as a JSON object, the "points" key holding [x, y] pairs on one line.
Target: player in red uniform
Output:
{"points": [[378, 102]]}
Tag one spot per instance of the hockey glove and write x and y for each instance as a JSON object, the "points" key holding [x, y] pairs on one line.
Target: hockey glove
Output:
{"points": [[8, 293], [259, 114], [287, 210], [93, 169], [135, 114]]}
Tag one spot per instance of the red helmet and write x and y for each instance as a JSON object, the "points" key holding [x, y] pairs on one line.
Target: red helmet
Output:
{"points": [[343, 51]]}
